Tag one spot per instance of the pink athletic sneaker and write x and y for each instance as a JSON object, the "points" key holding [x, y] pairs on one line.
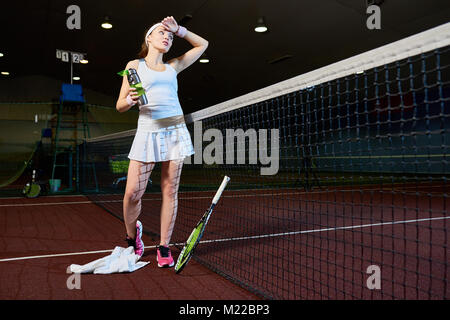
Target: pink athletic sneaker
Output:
{"points": [[137, 243], [164, 257]]}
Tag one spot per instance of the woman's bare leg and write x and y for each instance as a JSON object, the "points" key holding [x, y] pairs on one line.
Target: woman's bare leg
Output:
{"points": [[170, 180], [138, 175]]}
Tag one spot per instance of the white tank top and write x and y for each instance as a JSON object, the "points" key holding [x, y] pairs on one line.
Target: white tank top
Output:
{"points": [[161, 88]]}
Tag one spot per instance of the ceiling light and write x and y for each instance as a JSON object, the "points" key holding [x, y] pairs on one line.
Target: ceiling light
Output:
{"points": [[76, 78], [1, 54], [5, 73], [83, 58], [260, 25], [204, 59], [107, 23]]}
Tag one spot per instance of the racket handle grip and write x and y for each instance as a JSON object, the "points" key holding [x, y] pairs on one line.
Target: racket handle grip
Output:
{"points": [[221, 188]]}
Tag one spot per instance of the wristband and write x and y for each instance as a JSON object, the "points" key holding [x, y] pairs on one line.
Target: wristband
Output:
{"points": [[181, 32], [130, 101]]}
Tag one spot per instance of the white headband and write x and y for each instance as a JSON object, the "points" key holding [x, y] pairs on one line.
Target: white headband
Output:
{"points": [[150, 31]]}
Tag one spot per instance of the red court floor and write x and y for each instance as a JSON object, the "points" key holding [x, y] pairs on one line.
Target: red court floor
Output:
{"points": [[49, 226]]}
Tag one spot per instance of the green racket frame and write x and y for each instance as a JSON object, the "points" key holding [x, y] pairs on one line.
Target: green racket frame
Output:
{"points": [[197, 233]]}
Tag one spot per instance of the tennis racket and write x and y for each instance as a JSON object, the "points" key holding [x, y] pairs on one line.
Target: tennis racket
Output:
{"points": [[197, 233]]}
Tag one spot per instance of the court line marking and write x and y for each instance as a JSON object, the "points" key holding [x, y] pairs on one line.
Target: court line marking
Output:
{"points": [[327, 229], [200, 197], [49, 196], [156, 199], [243, 238], [63, 254], [44, 204]]}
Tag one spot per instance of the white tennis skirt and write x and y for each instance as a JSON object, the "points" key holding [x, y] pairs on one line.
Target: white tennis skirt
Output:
{"points": [[164, 144]]}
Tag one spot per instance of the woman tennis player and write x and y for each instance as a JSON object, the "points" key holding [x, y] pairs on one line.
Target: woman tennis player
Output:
{"points": [[161, 134]]}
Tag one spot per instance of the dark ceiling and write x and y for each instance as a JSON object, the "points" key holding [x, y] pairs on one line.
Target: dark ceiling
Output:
{"points": [[314, 32]]}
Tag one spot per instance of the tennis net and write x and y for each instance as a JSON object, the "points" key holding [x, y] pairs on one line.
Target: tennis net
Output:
{"points": [[339, 179]]}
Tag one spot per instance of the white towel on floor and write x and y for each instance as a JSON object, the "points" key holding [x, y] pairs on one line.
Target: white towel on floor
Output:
{"points": [[120, 260]]}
